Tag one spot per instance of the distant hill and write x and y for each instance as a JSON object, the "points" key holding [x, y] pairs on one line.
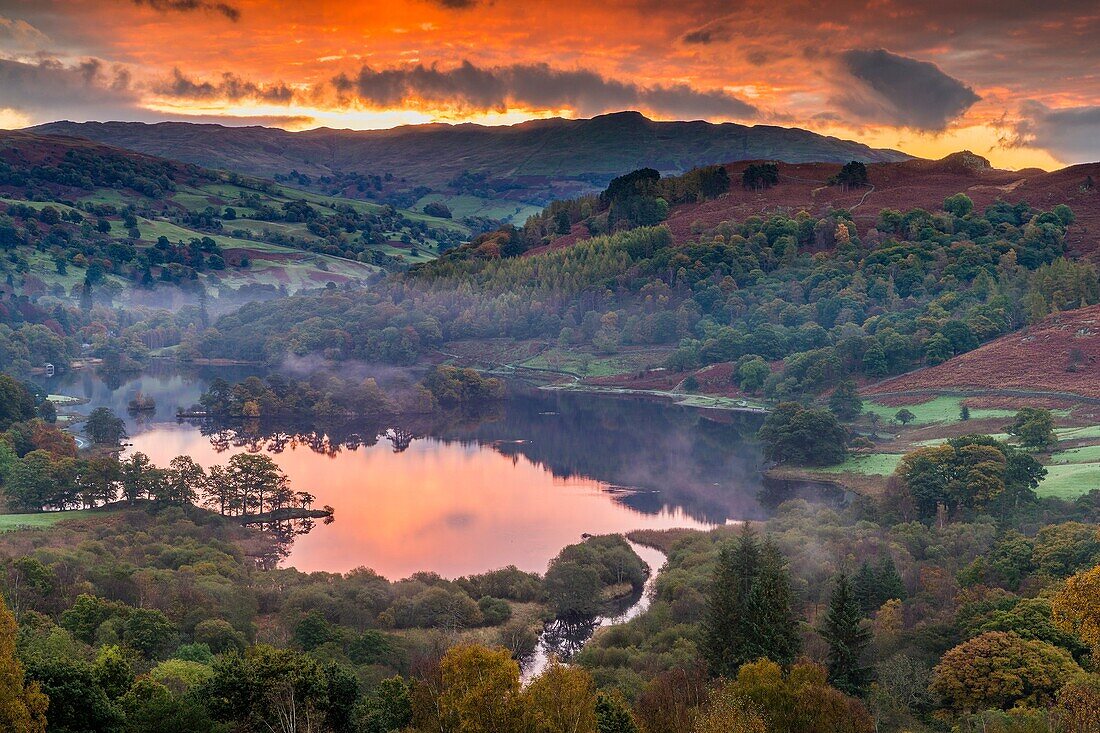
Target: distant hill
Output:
{"points": [[72, 209], [1059, 355], [532, 162]]}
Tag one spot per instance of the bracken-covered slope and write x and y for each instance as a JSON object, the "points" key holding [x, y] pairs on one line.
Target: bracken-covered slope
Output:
{"points": [[533, 161], [1059, 355], [908, 185]]}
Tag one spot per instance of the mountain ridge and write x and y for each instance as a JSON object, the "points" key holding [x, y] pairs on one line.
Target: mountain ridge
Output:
{"points": [[534, 161]]}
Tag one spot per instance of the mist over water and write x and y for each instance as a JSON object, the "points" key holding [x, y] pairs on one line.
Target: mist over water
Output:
{"points": [[459, 494]]}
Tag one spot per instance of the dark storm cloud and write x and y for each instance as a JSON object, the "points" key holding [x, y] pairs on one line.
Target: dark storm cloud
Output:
{"points": [[231, 88], [1071, 134], [898, 90], [531, 85], [49, 88], [188, 6], [708, 34], [454, 4], [1022, 46]]}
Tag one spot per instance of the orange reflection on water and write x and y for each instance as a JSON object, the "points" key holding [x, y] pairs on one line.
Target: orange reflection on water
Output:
{"points": [[447, 507]]}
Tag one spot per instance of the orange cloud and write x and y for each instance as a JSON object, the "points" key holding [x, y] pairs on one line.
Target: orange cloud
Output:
{"points": [[785, 61]]}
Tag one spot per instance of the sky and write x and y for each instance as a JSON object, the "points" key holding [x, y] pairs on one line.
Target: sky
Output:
{"points": [[1014, 80]]}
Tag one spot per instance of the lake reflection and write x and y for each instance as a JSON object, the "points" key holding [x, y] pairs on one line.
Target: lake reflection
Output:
{"points": [[465, 494], [441, 506]]}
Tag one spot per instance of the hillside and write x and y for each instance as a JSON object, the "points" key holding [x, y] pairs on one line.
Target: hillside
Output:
{"points": [[901, 186], [532, 162], [1060, 354], [71, 209]]}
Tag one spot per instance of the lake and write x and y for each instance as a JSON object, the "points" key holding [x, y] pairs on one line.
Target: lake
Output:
{"points": [[460, 494]]}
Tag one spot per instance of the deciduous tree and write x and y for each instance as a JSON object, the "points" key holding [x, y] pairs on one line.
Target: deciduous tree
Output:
{"points": [[481, 691], [999, 670], [562, 700], [1076, 607], [22, 704]]}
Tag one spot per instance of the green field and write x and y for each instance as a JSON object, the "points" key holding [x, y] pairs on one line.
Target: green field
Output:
{"points": [[870, 464], [291, 268], [1083, 433], [509, 212], [1084, 454], [9, 522], [1070, 480], [1071, 473], [935, 410]]}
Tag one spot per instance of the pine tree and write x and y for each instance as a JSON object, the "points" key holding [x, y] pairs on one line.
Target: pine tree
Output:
{"points": [[889, 581], [848, 637], [749, 612], [772, 628], [873, 585], [865, 588], [22, 706], [732, 579]]}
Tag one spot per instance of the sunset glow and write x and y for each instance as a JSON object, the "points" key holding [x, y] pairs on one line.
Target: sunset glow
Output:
{"points": [[443, 507], [1005, 86]]}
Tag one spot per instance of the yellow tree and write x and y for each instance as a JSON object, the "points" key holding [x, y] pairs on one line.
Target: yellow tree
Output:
{"points": [[22, 706], [1079, 706], [800, 699], [728, 712], [1076, 607], [481, 691], [562, 700], [1000, 670]]}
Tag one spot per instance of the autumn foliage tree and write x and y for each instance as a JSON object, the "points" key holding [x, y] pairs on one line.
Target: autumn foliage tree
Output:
{"points": [[972, 471], [562, 700], [481, 692], [1078, 708], [1000, 670], [728, 712], [1076, 608], [800, 700], [22, 705], [670, 701]]}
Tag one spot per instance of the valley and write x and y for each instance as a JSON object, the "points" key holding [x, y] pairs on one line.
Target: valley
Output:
{"points": [[285, 422]]}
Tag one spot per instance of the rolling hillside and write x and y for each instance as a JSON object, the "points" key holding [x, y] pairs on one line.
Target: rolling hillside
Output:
{"points": [[899, 185], [1059, 355], [532, 162], [71, 209]]}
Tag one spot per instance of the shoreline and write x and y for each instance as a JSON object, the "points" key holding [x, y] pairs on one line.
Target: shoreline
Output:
{"points": [[682, 399]]}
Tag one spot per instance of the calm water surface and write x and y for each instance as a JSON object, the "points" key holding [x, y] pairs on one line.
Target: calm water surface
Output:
{"points": [[465, 494]]}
